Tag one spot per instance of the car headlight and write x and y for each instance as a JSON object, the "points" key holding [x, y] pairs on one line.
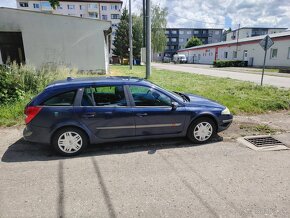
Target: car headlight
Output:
{"points": [[226, 111]]}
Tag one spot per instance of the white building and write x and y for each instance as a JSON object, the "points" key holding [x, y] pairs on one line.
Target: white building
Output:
{"points": [[47, 39], [246, 32], [99, 9], [247, 49]]}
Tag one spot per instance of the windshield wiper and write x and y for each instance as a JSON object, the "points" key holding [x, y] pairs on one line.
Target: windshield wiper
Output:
{"points": [[185, 97]]}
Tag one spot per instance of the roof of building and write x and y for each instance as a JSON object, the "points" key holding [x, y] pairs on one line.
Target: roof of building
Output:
{"points": [[282, 28], [94, 1], [243, 40], [50, 14]]}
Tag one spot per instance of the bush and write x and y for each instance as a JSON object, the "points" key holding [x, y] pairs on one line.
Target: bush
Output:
{"points": [[219, 63], [16, 82]]}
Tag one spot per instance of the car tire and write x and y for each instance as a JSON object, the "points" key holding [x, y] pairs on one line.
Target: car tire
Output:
{"points": [[69, 141], [202, 130]]}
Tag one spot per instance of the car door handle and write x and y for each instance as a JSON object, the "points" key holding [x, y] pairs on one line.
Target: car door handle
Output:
{"points": [[89, 115], [141, 114]]}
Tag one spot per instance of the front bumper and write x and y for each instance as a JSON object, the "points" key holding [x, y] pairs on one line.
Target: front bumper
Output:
{"points": [[224, 122], [36, 134]]}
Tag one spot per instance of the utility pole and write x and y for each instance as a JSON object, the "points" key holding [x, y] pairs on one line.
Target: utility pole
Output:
{"points": [[144, 23], [130, 36], [148, 39]]}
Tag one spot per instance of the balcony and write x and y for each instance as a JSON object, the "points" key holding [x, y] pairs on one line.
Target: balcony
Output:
{"points": [[93, 8]]}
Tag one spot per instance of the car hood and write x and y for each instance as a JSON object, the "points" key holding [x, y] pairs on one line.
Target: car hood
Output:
{"points": [[196, 101]]}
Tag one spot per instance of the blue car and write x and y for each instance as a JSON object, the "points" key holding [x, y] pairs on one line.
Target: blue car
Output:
{"points": [[72, 113]]}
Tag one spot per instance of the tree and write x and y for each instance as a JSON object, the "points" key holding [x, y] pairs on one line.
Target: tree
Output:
{"points": [[121, 42], [194, 41], [159, 22], [137, 35], [54, 3]]}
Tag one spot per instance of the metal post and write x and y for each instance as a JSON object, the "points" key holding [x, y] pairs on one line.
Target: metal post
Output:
{"points": [[148, 39], [130, 36], [265, 48], [144, 23]]}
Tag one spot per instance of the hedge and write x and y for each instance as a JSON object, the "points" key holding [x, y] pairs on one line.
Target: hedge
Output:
{"points": [[219, 63]]}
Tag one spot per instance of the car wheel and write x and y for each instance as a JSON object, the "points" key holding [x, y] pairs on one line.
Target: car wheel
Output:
{"points": [[201, 130], [69, 141]]}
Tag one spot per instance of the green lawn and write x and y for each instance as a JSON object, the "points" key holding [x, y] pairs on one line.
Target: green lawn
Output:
{"points": [[240, 97]]}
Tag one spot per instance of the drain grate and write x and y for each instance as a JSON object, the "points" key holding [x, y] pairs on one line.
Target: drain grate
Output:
{"points": [[264, 141]]}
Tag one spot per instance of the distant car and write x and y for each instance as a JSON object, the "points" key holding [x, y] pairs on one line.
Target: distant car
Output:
{"points": [[179, 59], [73, 113], [166, 59]]}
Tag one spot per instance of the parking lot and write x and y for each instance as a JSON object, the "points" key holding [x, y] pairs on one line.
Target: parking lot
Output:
{"points": [[160, 178]]}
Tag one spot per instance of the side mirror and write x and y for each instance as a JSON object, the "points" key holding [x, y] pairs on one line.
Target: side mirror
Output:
{"points": [[174, 105]]}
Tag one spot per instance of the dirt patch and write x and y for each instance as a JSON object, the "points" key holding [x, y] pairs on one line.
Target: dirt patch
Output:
{"points": [[264, 124]]}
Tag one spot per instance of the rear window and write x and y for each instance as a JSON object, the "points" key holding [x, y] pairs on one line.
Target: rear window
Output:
{"points": [[63, 99]]}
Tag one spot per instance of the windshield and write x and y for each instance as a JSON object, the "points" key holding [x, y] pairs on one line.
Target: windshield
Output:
{"points": [[174, 94]]}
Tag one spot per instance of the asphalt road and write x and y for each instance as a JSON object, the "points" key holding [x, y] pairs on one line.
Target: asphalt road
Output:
{"points": [[161, 178], [268, 80]]}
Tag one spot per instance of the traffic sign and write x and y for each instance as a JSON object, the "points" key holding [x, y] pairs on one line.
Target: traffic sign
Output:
{"points": [[266, 43]]}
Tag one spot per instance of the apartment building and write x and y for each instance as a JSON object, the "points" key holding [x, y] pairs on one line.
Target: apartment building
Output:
{"points": [[108, 10], [247, 49], [177, 38], [246, 32]]}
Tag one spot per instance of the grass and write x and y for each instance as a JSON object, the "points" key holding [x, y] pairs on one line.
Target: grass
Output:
{"points": [[240, 97]]}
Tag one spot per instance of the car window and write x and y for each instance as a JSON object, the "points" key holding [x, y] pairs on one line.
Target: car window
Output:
{"points": [[112, 96], [146, 96], [63, 99]]}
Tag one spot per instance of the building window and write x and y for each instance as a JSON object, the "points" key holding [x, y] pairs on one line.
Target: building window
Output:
{"points": [[82, 7], [23, 4], [93, 14], [59, 7], [173, 40], [174, 32], [71, 7], [274, 53], [93, 6], [216, 32], [189, 32], [196, 32], [104, 8], [104, 17], [204, 32], [234, 54], [167, 39], [181, 32], [289, 53], [166, 31], [226, 54], [115, 16], [181, 40], [114, 7], [35, 5]]}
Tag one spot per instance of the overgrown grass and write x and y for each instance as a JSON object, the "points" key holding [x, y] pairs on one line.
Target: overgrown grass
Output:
{"points": [[240, 97]]}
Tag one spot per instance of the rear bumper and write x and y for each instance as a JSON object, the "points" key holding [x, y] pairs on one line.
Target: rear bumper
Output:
{"points": [[36, 134], [225, 122]]}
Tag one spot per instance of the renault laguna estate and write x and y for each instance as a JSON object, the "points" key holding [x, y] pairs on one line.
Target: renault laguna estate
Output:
{"points": [[72, 113]]}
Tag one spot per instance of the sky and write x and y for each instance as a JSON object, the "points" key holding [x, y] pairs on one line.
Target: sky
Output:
{"points": [[216, 13]]}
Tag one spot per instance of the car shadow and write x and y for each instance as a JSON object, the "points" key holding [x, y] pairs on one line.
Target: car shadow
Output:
{"points": [[23, 151]]}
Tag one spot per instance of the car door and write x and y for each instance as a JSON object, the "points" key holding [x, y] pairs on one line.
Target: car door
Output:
{"points": [[106, 112], [153, 112]]}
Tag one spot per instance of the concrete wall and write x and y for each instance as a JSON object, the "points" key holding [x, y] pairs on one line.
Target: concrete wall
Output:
{"points": [[73, 42], [206, 55]]}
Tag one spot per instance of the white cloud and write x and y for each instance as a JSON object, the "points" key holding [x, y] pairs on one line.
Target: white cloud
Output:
{"points": [[223, 13]]}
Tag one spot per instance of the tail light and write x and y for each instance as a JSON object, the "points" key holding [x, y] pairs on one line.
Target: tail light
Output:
{"points": [[31, 112]]}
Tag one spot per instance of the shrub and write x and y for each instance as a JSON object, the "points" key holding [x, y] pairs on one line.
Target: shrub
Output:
{"points": [[219, 63]]}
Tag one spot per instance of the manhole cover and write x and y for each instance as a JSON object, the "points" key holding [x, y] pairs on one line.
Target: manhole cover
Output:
{"points": [[264, 141]]}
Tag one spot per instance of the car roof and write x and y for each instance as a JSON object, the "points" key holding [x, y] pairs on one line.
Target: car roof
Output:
{"points": [[86, 81]]}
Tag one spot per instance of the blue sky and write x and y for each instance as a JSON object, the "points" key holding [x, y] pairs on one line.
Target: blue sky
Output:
{"points": [[217, 13]]}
